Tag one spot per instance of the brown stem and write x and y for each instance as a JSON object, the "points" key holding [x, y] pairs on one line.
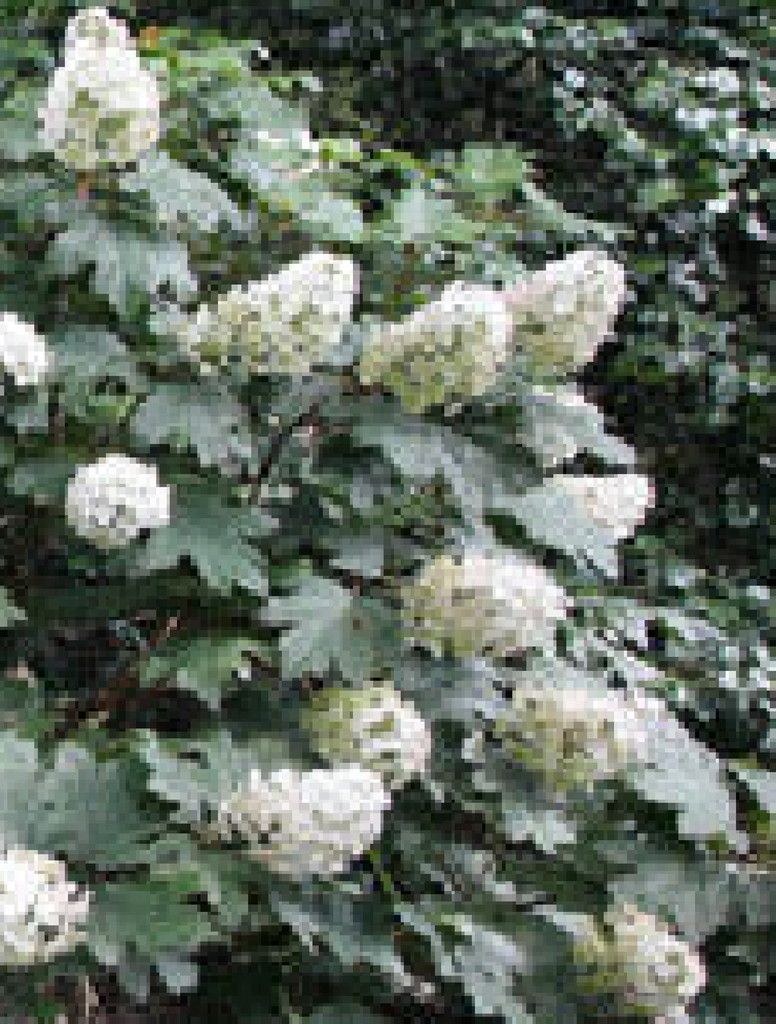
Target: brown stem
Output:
{"points": [[97, 709]]}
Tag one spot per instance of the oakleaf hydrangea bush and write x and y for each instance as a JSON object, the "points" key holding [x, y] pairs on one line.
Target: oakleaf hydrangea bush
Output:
{"points": [[319, 658]]}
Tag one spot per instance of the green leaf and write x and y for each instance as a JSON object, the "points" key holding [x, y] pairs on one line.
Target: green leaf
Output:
{"points": [[145, 924], [87, 810], [85, 359], [30, 414], [420, 449], [487, 964], [19, 131], [217, 536], [44, 479], [204, 665], [362, 556], [277, 158], [329, 627], [19, 759], [552, 519], [203, 418], [322, 213], [227, 881], [491, 173], [128, 268], [197, 775], [686, 775], [559, 424], [342, 918], [696, 898], [84, 354], [22, 707], [422, 217], [179, 195], [10, 614], [35, 198]]}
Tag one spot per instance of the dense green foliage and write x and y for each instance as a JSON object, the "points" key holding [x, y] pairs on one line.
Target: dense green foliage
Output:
{"points": [[140, 684]]}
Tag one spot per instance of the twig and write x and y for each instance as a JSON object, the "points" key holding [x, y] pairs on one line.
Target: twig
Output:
{"points": [[97, 709]]}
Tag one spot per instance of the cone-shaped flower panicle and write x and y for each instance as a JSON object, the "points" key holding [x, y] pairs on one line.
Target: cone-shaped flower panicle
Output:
{"points": [[302, 823], [482, 602], [110, 501], [284, 324], [562, 313], [573, 736], [617, 503], [374, 727], [454, 348], [102, 106], [42, 913], [23, 353], [641, 962]]}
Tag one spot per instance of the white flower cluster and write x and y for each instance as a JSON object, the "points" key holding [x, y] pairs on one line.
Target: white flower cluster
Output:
{"points": [[41, 912], [102, 105], [482, 602], [374, 727], [573, 736], [454, 348], [302, 823], [617, 503], [23, 353], [283, 324], [562, 313], [653, 972], [110, 501]]}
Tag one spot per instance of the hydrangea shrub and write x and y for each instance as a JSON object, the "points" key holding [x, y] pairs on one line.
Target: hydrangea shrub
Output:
{"points": [[319, 660]]}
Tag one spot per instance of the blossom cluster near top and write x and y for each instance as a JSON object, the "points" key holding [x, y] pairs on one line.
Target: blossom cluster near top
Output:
{"points": [[102, 105]]}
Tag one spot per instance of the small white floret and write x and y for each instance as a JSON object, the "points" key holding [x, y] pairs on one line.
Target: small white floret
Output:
{"points": [[483, 601], [562, 313], [302, 823], [110, 501], [42, 913], [23, 352], [642, 962], [374, 727], [574, 736], [454, 348], [284, 324], [102, 107]]}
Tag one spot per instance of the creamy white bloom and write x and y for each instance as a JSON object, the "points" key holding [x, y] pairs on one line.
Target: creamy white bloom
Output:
{"points": [[102, 105], [374, 727], [23, 353], [617, 503], [455, 347], [482, 601], [283, 324], [573, 735], [110, 501], [643, 962], [94, 26], [41, 912], [302, 823], [562, 313]]}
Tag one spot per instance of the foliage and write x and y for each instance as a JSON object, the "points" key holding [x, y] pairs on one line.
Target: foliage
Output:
{"points": [[143, 684]]}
